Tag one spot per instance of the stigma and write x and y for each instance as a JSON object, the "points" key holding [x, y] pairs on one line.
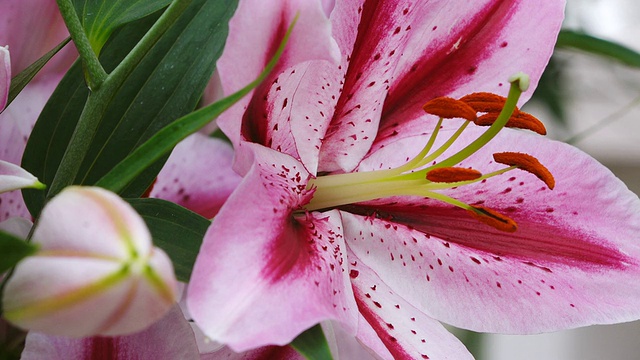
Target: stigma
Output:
{"points": [[427, 174]]}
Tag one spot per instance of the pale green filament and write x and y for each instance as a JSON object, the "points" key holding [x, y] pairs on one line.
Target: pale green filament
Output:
{"points": [[410, 178]]}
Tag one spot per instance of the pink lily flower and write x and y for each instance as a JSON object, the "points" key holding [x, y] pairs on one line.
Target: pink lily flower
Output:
{"points": [[30, 28], [336, 217]]}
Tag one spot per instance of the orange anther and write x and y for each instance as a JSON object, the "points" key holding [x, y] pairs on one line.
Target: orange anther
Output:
{"points": [[487, 119], [452, 174], [528, 163], [449, 108], [523, 120], [493, 219], [484, 101], [519, 119]]}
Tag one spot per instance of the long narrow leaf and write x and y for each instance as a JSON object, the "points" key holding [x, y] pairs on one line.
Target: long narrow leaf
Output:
{"points": [[167, 138], [597, 46], [24, 77]]}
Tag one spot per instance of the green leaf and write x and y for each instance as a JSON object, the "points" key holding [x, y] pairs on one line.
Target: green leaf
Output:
{"points": [[100, 18], [166, 84], [312, 344], [164, 140], [591, 44], [13, 249], [24, 77], [178, 231]]}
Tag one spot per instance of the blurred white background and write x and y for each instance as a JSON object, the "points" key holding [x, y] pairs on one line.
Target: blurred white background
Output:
{"points": [[597, 88]]}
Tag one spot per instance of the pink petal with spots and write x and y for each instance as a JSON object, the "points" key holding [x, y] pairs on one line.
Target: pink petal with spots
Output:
{"points": [[572, 262], [170, 338], [344, 345], [464, 47], [405, 332], [259, 262], [294, 113], [255, 32], [5, 76], [198, 175], [379, 33]]}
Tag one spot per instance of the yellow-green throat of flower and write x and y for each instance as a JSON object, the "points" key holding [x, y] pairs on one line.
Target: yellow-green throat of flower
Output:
{"points": [[421, 177]]}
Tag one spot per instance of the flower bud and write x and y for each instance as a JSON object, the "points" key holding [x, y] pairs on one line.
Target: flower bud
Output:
{"points": [[96, 272], [13, 177]]}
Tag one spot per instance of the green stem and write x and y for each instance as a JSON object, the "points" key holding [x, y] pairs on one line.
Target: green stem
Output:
{"points": [[80, 141], [98, 101], [93, 69]]}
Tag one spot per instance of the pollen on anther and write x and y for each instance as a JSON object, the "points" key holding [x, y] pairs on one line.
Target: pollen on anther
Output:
{"points": [[493, 219], [527, 163], [449, 108], [484, 101], [452, 174], [519, 120]]}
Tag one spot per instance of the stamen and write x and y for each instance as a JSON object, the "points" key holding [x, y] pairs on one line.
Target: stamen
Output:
{"points": [[493, 219], [452, 174], [449, 108], [527, 121], [484, 102], [528, 163], [519, 119]]}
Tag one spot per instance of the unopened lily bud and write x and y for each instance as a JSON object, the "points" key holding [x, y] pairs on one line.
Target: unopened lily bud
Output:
{"points": [[96, 272], [13, 177]]}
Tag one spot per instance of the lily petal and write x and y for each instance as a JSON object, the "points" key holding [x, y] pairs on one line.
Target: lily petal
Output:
{"points": [[39, 29], [257, 28], [181, 180], [168, 339], [17, 226], [464, 48], [406, 332], [262, 270], [5, 76], [379, 31], [571, 263], [13, 177]]}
